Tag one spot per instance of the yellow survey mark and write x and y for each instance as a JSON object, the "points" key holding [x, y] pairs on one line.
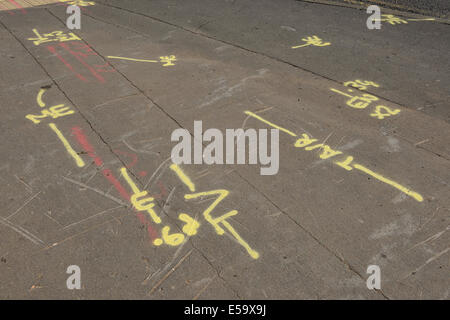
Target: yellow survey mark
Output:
{"points": [[377, 176], [39, 98], [269, 123], [312, 41], [183, 177], [78, 160], [346, 164], [191, 226], [144, 204], [166, 60], [222, 219], [131, 59]]}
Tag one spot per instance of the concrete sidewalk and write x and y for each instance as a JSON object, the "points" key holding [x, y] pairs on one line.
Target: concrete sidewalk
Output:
{"points": [[435, 8], [138, 70]]}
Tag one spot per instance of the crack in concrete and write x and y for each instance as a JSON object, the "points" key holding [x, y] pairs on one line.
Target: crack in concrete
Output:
{"points": [[341, 259], [198, 33], [259, 191]]}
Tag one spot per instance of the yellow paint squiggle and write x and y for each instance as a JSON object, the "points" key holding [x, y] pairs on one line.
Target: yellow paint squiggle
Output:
{"points": [[222, 219], [39, 98]]}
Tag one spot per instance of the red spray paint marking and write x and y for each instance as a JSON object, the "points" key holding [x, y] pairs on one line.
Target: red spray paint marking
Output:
{"points": [[18, 6], [87, 147], [53, 50], [82, 140], [109, 175], [134, 160], [131, 155], [163, 191], [88, 66]]}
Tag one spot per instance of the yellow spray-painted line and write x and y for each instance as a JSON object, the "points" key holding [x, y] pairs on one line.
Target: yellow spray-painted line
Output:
{"points": [[131, 59], [145, 204], [270, 123], [128, 179], [379, 177], [346, 164], [183, 177], [75, 156]]}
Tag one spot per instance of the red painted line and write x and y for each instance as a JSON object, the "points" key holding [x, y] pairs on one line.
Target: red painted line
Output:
{"points": [[53, 50], [131, 155], [109, 175], [82, 46], [92, 70], [82, 140], [87, 147], [6, 9], [18, 6], [163, 191]]}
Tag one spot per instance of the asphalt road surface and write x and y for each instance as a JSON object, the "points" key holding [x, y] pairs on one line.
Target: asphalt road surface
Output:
{"points": [[87, 118]]}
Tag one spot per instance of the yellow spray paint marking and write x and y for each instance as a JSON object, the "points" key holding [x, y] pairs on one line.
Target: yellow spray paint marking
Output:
{"points": [[183, 177], [39, 98], [130, 182], [313, 41], [75, 156], [326, 153], [346, 163], [361, 84], [131, 59], [55, 112], [391, 19], [80, 3], [191, 226], [269, 123], [222, 195], [58, 36], [353, 102], [216, 221], [173, 239], [361, 102], [403, 189], [342, 93], [381, 115], [426, 19], [166, 60], [145, 204], [306, 140]]}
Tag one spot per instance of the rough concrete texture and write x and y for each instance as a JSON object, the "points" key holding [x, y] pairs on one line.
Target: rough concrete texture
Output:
{"points": [[317, 224]]}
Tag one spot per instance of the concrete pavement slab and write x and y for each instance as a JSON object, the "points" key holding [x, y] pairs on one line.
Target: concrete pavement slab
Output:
{"points": [[308, 232]]}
